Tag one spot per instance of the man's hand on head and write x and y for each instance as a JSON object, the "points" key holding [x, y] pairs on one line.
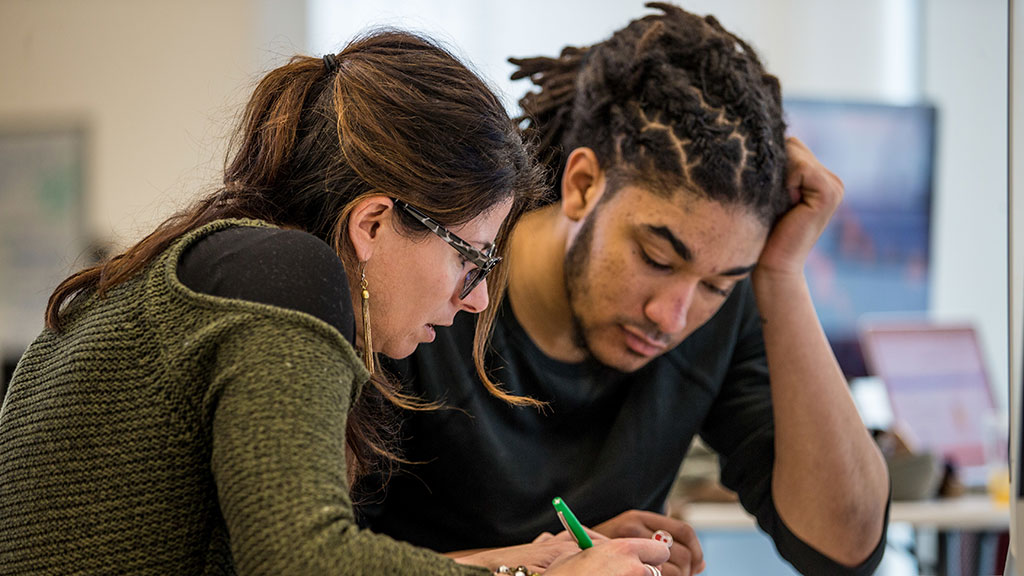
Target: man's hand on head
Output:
{"points": [[816, 194]]}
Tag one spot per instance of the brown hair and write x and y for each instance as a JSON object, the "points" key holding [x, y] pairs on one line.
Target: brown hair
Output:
{"points": [[392, 114], [672, 101]]}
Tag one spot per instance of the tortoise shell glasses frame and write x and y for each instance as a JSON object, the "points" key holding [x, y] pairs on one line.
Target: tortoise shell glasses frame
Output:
{"points": [[485, 261]]}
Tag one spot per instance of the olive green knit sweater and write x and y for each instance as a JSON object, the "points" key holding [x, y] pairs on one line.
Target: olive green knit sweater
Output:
{"points": [[169, 432]]}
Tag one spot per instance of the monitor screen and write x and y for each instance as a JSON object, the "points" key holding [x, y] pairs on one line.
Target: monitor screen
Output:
{"points": [[874, 255], [939, 392]]}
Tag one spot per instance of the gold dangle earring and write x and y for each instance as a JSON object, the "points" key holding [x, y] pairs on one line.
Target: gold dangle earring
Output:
{"points": [[367, 340]]}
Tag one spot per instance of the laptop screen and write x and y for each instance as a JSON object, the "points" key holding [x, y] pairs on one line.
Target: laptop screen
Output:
{"points": [[938, 388]]}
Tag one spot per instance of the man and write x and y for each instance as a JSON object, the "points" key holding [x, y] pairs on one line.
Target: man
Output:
{"points": [[645, 305]]}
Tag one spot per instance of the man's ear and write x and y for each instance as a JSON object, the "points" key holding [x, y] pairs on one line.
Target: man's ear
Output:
{"points": [[582, 183], [366, 222]]}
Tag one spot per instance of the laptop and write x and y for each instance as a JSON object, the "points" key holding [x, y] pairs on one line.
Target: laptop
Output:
{"points": [[938, 390]]}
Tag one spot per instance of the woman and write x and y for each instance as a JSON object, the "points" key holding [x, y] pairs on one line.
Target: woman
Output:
{"points": [[196, 404]]}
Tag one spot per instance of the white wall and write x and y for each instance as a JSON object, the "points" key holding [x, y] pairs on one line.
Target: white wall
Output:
{"points": [[965, 75], [852, 49]]}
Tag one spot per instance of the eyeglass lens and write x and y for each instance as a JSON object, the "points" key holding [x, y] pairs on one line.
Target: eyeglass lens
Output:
{"points": [[473, 278]]}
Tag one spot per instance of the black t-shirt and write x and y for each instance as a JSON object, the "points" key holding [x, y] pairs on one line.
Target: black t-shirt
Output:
{"points": [[610, 441], [286, 268]]}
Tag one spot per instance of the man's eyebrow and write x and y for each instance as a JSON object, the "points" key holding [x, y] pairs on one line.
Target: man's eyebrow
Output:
{"points": [[684, 251], [678, 245], [738, 271]]}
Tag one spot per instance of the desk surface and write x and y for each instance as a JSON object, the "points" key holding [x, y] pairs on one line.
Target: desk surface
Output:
{"points": [[972, 512]]}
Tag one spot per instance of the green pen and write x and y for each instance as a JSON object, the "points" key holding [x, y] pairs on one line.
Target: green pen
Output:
{"points": [[572, 524]]}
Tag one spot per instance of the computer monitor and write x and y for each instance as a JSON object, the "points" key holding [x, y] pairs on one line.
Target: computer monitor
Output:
{"points": [[874, 255], [1015, 200], [938, 390]]}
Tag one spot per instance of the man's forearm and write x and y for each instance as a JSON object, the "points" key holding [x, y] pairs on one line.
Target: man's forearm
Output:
{"points": [[830, 484]]}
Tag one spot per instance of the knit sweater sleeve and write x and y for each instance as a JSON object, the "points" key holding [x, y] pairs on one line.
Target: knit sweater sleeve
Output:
{"points": [[278, 414]]}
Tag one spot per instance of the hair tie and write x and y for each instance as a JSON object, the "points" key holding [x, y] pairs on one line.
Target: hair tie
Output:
{"points": [[330, 63]]}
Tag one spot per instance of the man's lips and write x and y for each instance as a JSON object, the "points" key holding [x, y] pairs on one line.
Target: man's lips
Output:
{"points": [[642, 344]]}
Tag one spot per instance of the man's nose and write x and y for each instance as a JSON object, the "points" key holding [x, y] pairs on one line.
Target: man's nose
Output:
{"points": [[669, 308]]}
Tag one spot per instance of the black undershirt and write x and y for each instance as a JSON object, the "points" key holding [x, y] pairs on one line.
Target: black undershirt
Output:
{"points": [[285, 268]]}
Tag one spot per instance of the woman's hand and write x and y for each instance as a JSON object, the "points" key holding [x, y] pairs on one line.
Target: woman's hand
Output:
{"points": [[614, 557], [536, 556], [558, 555], [816, 194]]}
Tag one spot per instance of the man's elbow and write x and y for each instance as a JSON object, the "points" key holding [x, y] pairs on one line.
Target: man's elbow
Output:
{"points": [[864, 526]]}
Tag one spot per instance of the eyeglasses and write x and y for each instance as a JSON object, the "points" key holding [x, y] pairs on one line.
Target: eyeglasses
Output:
{"points": [[485, 261]]}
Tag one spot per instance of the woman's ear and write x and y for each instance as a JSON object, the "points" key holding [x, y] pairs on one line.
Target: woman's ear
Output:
{"points": [[582, 183], [366, 222]]}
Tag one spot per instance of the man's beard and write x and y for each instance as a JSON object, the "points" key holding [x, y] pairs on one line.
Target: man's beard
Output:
{"points": [[576, 260]]}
